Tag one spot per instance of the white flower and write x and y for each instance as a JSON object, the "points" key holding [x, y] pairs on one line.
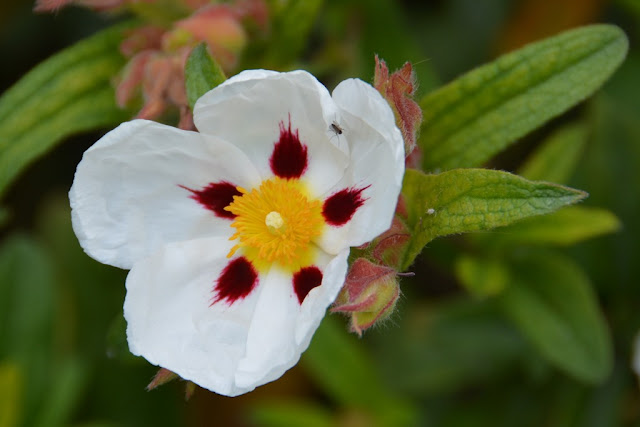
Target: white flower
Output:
{"points": [[237, 237]]}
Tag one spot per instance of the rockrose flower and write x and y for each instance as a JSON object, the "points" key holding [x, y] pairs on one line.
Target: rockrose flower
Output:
{"points": [[237, 237]]}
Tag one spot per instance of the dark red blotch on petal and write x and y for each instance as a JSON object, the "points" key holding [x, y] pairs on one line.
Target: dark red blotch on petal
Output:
{"points": [[289, 158], [305, 280], [215, 197], [340, 207], [236, 281]]}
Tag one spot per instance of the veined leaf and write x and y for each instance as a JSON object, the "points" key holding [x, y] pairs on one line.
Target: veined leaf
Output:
{"points": [[551, 301], [469, 120], [68, 93], [465, 200], [202, 73], [568, 226], [557, 157]]}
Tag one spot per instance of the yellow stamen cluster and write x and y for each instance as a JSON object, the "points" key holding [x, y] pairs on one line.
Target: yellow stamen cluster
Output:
{"points": [[275, 223]]}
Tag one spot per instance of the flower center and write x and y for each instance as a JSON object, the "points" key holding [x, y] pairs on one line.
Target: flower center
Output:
{"points": [[275, 223]]}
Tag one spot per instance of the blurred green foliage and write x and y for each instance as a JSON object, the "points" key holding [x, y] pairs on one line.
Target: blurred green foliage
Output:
{"points": [[505, 328]]}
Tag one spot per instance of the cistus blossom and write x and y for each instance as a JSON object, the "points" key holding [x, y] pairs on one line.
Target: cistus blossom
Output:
{"points": [[237, 237]]}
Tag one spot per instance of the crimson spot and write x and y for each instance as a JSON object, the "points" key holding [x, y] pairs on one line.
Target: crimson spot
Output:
{"points": [[305, 280], [289, 158], [340, 207], [237, 281], [215, 197]]}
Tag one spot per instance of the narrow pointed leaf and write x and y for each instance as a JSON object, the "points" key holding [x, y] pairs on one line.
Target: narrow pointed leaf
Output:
{"points": [[551, 301], [556, 158], [202, 73], [568, 226], [471, 119], [66, 94], [465, 200]]}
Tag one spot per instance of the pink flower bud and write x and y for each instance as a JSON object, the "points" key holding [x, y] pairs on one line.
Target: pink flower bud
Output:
{"points": [[389, 247], [369, 294], [398, 89]]}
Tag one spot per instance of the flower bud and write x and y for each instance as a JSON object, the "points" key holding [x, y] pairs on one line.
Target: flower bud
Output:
{"points": [[398, 89], [369, 294], [389, 247]]}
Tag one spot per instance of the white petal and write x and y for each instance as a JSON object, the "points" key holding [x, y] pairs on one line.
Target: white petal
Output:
{"points": [[281, 329], [249, 75], [126, 197], [377, 161], [247, 109], [229, 349]]}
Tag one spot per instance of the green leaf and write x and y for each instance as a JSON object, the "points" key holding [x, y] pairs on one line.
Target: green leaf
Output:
{"points": [[68, 381], [482, 277], [97, 304], [202, 73], [290, 414], [568, 226], [66, 94], [469, 120], [27, 301], [343, 369], [552, 303], [556, 159], [465, 200]]}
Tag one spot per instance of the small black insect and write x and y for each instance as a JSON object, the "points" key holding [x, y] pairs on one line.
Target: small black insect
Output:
{"points": [[335, 127]]}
